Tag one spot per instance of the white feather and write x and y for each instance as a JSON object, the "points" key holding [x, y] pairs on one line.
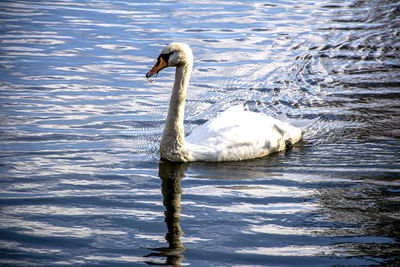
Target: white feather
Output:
{"points": [[236, 134]]}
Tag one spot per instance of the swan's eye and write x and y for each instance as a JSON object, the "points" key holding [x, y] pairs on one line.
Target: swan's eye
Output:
{"points": [[165, 57]]}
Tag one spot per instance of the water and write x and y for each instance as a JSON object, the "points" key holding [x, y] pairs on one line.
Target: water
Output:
{"points": [[81, 182]]}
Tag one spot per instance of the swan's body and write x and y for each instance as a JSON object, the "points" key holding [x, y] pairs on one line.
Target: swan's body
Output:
{"points": [[236, 134]]}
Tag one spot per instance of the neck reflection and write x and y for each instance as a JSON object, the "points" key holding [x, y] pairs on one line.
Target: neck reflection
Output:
{"points": [[171, 175]]}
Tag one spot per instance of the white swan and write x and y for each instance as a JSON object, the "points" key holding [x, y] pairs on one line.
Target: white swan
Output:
{"points": [[236, 134]]}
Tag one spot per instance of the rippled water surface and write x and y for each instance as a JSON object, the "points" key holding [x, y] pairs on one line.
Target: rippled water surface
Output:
{"points": [[81, 181]]}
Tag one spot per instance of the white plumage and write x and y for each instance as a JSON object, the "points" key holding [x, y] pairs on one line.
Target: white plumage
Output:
{"points": [[235, 134]]}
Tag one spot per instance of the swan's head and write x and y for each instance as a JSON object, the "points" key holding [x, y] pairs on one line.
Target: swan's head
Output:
{"points": [[173, 55]]}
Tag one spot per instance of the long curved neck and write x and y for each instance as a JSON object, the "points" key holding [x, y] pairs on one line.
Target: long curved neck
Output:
{"points": [[173, 139]]}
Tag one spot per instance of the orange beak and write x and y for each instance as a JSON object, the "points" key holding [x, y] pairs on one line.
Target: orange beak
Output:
{"points": [[157, 67]]}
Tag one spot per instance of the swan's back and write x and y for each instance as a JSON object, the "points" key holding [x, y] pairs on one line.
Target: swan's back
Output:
{"points": [[238, 135]]}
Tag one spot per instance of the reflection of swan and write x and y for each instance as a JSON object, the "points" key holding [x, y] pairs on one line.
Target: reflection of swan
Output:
{"points": [[171, 175], [235, 134]]}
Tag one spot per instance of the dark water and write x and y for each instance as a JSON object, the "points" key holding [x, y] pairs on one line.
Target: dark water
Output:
{"points": [[81, 183]]}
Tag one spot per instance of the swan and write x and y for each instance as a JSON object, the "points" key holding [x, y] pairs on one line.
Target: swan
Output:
{"points": [[235, 134]]}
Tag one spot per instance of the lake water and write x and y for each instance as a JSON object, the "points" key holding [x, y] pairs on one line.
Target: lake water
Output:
{"points": [[81, 180]]}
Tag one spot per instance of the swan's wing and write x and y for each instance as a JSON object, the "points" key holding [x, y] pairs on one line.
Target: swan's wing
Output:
{"points": [[238, 135]]}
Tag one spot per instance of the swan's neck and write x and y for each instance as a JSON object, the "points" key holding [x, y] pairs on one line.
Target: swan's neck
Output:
{"points": [[173, 139]]}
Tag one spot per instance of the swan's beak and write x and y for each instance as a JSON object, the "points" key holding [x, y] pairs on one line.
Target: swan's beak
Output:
{"points": [[157, 67]]}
